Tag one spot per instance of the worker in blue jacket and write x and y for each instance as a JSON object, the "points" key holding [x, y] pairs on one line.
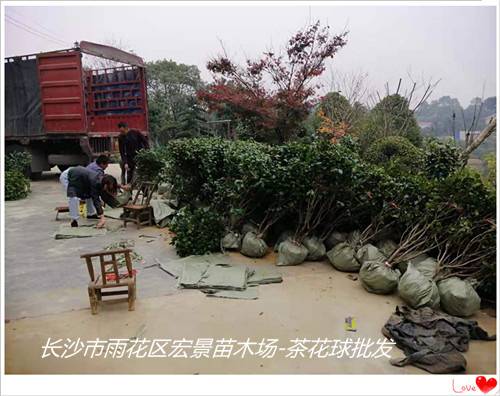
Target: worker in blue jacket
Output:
{"points": [[99, 165]]}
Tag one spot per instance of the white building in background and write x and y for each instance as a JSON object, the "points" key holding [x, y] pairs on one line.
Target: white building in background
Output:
{"points": [[462, 135], [424, 124]]}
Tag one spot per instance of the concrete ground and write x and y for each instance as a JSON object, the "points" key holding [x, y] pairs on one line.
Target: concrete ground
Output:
{"points": [[46, 296]]}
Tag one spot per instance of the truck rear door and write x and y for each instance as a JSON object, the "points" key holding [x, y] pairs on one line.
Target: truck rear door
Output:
{"points": [[117, 94], [62, 94]]}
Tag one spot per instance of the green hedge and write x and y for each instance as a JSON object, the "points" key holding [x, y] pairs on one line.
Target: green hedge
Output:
{"points": [[441, 158], [152, 164], [17, 183], [18, 161], [396, 154], [197, 231], [17, 186]]}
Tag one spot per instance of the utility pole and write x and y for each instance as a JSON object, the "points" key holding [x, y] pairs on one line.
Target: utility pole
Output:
{"points": [[453, 127]]}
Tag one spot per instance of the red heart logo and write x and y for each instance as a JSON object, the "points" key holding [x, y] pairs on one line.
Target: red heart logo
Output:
{"points": [[486, 385]]}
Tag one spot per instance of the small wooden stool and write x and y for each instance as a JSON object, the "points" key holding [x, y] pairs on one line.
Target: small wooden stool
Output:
{"points": [[64, 209], [110, 277], [61, 209]]}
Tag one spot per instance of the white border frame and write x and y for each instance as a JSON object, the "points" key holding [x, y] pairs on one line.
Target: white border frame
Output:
{"points": [[227, 384]]}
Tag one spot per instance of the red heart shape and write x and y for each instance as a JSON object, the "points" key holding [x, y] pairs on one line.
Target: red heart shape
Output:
{"points": [[486, 385]]}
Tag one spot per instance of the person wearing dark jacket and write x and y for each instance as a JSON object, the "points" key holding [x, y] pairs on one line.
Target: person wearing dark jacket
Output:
{"points": [[86, 184], [130, 142]]}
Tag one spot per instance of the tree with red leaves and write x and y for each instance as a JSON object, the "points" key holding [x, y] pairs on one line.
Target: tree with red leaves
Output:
{"points": [[274, 94]]}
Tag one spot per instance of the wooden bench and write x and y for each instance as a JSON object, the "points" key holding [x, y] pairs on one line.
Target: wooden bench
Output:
{"points": [[110, 277]]}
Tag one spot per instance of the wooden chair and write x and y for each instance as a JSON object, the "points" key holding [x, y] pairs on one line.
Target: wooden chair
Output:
{"points": [[139, 211], [110, 277]]}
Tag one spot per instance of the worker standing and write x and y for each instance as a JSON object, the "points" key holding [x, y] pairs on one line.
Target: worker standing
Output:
{"points": [[130, 142]]}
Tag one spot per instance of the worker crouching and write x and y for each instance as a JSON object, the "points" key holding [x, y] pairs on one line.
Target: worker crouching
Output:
{"points": [[92, 187]]}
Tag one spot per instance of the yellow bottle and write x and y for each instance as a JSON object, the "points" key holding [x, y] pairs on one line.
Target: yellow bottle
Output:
{"points": [[350, 324], [83, 209]]}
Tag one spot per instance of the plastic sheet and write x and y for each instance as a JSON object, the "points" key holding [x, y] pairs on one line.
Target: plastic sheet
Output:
{"points": [[23, 104]]}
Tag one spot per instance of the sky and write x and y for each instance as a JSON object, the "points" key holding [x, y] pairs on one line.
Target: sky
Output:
{"points": [[453, 44]]}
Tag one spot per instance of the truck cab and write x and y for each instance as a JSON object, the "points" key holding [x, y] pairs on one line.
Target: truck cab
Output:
{"points": [[65, 114]]}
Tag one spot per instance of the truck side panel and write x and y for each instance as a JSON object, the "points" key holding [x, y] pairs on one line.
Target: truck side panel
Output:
{"points": [[61, 86]]}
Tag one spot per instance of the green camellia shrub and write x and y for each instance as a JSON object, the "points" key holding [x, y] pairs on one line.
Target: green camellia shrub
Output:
{"points": [[152, 164], [242, 189], [197, 231], [392, 116], [196, 165], [471, 203], [17, 186], [314, 188], [311, 183], [18, 161], [441, 158], [396, 154], [17, 167]]}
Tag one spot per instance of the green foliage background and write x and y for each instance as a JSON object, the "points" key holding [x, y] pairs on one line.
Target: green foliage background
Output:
{"points": [[17, 184]]}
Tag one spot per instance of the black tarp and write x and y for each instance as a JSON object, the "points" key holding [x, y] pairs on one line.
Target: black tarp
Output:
{"points": [[23, 105], [432, 340]]}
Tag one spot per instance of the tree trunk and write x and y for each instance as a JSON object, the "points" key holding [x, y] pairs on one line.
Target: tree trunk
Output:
{"points": [[490, 128]]}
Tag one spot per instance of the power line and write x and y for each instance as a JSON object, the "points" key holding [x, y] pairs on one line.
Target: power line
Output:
{"points": [[32, 21], [34, 31]]}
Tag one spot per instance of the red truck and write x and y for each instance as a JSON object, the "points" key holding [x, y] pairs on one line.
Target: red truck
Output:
{"points": [[66, 115]]}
